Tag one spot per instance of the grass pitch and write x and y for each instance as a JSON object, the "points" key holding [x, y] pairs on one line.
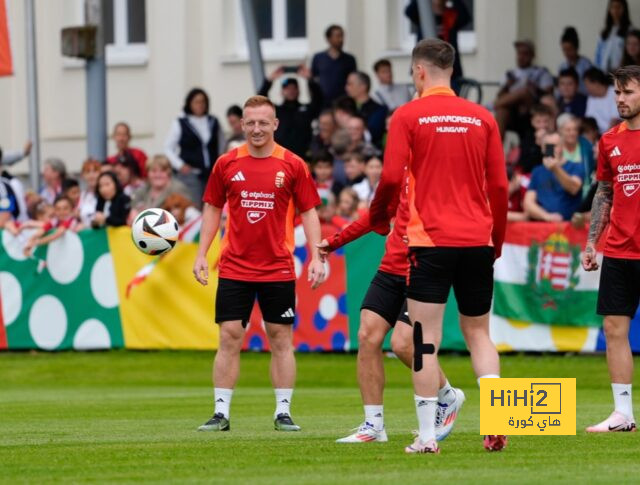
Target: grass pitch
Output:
{"points": [[131, 416]]}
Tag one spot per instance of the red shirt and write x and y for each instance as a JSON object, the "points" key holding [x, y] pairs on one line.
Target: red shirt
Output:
{"points": [[263, 195], [70, 223], [619, 163], [138, 155], [457, 178], [395, 259]]}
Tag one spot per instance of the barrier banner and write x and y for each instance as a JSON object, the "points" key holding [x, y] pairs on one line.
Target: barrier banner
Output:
{"points": [[6, 65]]}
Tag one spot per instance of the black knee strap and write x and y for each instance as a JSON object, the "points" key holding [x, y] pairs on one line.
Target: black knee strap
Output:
{"points": [[420, 348]]}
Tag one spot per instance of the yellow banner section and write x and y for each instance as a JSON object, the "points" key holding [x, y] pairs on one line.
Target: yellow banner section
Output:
{"points": [[162, 306], [528, 406]]}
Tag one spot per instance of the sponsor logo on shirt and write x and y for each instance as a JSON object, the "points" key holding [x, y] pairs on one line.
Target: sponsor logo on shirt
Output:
{"points": [[630, 189], [628, 168], [280, 179], [615, 152], [255, 216], [257, 204], [238, 177], [630, 181], [255, 200]]}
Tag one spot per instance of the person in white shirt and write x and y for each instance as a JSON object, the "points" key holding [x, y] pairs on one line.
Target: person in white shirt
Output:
{"points": [[610, 45], [9, 157], [389, 94], [367, 188], [601, 103], [194, 143]]}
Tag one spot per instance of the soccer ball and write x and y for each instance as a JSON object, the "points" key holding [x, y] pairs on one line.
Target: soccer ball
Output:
{"points": [[155, 231]]}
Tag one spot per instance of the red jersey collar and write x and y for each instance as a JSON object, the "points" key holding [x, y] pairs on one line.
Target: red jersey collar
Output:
{"points": [[438, 91]]}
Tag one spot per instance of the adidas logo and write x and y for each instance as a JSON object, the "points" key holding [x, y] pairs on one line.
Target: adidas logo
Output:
{"points": [[285, 401], [624, 393], [288, 314], [220, 400], [238, 177], [615, 152], [378, 415]]}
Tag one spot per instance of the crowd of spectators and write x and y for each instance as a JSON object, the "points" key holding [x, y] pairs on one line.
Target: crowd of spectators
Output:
{"points": [[550, 122]]}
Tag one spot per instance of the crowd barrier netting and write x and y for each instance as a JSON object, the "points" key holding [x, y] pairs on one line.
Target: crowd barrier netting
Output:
{"points": [[93, 290]]}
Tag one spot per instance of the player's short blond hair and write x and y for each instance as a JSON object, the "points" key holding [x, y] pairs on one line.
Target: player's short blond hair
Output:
{"points": [[256, 101]]}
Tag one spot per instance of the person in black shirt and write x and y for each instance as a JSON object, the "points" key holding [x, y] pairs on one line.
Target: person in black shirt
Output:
{"points": [[330, 68], [570, 100], [294, 131], [358, 86]]}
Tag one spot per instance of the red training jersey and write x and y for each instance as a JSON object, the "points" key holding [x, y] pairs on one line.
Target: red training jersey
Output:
{"points": [[263, 195], [395, 259], [619, 164], [457, 178]]}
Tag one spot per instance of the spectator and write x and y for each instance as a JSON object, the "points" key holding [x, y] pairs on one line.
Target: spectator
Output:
{"points": [[330, 68], [88, 200], [340, 142], [575, 148], [322, 169], [321, 142], [343, 109], [294, 128], [122, 136], [570, 99], [601, 103], [107, 168], [358, 87], [194, 143], [388, 94], [182, 209], [367, 188], [347, 208], [611, 42], [532, 141], [234, 119], [15, 185], [9, 209], [522, 87], [450, 16], [570, 44], [354, 168], [39, 213], [158, 186], [554, 192], [64, 220], [71, 190], [8, 158], [113, 205], [589, 130], [550, 101], [357, 134], [517, 189], [128, 173], [53, 174], [631, 54]]}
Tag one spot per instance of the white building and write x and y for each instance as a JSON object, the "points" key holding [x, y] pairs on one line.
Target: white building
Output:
{"points": [[162, 48]]}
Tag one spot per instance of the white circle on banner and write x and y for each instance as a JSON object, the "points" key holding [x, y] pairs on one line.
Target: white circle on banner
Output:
{"points": [[103, 282], [11, 296], [299, 237], [298, 266], [65, 257], [92, 335], [328, 307], [48, 322], [14, 245]]}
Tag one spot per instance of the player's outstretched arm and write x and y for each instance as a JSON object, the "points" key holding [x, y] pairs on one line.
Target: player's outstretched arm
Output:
{"points": [[311, 226], [600, 215], [210, 224], [353, 231]]}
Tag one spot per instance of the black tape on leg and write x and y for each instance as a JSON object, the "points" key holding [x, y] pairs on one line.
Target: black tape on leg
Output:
{"points": [[419, 347]]}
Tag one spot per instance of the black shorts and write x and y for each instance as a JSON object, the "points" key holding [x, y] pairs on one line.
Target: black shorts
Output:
{"points": [[235, 299], [387, 296], [468, 269], [619, 292]]}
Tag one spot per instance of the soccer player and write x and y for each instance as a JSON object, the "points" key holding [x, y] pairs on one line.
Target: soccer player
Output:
{"points": [[617, 204], [383, 308], [457, 217], [263, 184]]}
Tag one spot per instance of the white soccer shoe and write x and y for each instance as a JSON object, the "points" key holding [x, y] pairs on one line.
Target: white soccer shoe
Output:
{"points": [[616, 422], [418, 446], [446, 414], [365, 434]]}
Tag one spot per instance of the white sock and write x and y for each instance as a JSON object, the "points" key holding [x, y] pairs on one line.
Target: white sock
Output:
{"points": [[374, 415], [426, 411], [446, 394], [222, 398], [283, 401], [622, 399], [488, 376]]}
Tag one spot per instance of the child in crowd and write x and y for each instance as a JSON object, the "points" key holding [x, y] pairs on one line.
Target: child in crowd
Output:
{"points": [[113, 205], [71, 189], [354, 168], [128, 172], [88, 200], [347, 209], [322, 169], [63, 220], [367, 188]]}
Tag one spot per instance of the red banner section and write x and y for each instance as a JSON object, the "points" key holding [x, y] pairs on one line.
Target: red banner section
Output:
{"points": [[6, 66]]}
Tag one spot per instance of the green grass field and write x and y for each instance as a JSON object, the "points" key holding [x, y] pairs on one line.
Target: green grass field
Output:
{"points": [[131, 416]]}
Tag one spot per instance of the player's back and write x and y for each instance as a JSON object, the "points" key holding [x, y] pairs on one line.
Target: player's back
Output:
{"points": [[453, 143]]}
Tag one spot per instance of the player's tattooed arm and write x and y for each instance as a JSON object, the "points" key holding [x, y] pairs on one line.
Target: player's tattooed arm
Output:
{"points": [[600, 211]]}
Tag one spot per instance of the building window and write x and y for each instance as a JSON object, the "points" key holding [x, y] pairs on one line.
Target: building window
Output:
{"points": [[125, 31], [282, 28]]}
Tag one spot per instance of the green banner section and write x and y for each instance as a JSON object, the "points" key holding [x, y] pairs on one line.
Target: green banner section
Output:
{"points": [[363, 258], [63, 297]]}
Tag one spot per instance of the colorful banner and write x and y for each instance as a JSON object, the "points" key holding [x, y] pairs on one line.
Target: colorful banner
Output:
{"points": [[6, 65]]}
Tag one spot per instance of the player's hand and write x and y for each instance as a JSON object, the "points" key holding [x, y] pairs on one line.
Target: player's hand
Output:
{"points": [[276, 73], [316, 273], [589, 262], [201, 270], [323, 248], [27, 148]]}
